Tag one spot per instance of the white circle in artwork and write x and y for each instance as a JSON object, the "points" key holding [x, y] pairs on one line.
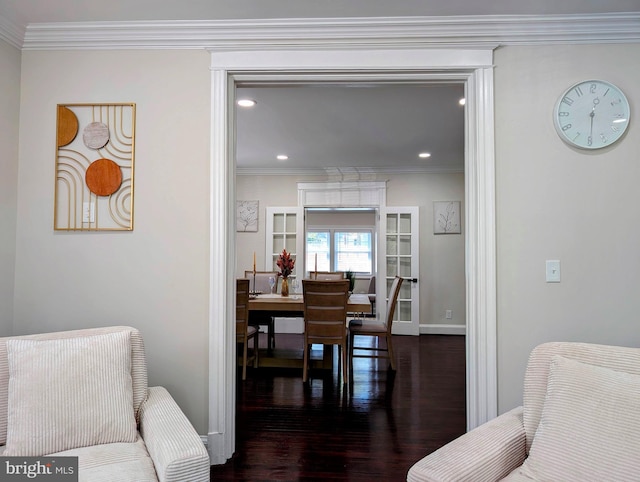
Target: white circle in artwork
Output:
{"points": [[96, 135]]}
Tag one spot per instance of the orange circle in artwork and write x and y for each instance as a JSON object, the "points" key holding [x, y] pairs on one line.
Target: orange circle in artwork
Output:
{"points": [[67, 126], [103, 177]]}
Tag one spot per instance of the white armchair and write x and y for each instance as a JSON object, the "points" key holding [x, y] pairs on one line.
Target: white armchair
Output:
{"points": [[579, 422], [84, 394]]}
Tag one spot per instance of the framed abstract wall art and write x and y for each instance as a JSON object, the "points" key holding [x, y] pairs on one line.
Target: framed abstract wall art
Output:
{"points": [[446, 217], [95, 146], [247, 216]]}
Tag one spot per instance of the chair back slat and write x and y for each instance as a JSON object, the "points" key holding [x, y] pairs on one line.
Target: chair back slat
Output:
{"points": [[327, 275]]}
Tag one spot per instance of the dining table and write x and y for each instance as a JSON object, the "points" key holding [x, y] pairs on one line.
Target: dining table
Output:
{"points": [[292, 306]]}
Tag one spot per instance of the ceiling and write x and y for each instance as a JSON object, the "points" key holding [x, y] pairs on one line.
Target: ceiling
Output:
{"points": [[351, 128], [24, 12], [343, 128]]}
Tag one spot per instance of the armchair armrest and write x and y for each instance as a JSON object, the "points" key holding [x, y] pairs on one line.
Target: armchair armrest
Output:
{"points": [[487, 453], [175, 447]]}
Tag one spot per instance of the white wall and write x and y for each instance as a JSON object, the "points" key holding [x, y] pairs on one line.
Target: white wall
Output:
{"points": [[156, 277], [555, 202], [442, 268], [552, 202], [9, 118]]}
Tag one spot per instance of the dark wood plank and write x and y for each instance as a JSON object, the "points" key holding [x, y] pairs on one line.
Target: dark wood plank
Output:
{"points": [[288, 431]]}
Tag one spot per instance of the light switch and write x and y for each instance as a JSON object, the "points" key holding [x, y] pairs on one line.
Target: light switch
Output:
{"points": [[553, 271]]}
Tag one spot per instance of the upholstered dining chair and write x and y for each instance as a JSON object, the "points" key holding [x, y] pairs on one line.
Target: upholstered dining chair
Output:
{"points": [[260, 284], [244, 331], [325, 319], [376, 328]]}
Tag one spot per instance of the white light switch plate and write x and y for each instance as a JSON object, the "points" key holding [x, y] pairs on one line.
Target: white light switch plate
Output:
{"points": [[553, 271]]}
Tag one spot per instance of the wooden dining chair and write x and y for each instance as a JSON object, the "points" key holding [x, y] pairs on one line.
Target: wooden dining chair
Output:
{"points": [[378, 329], [244, 331], [326, 275], [260, 283], [325, 319], [372, 295]]}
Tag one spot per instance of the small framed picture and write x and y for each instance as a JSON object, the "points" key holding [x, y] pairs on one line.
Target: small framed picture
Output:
{"points": [[446, 217], [246, 216]]}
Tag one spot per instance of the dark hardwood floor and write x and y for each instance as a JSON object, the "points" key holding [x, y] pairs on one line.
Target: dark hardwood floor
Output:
{"points": [[375, 431]]}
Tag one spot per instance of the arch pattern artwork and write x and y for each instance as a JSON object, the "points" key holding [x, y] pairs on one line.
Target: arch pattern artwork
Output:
{"points": [[94, 167]]}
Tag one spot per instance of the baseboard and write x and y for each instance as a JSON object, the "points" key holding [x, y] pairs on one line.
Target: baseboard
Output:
{"points": [[205, 440], [443, 329]]}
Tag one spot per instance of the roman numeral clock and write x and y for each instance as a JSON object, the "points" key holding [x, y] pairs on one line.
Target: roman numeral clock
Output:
{"points": [[591, 114]]}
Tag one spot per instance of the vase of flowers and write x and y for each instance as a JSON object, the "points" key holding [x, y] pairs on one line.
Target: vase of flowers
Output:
{"points": [[286, 264]]}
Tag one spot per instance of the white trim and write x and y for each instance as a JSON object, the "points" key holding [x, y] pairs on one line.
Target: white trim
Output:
{"points": [[11, 32], [370, 66], [443, 329], [479, 31], [480, 249], [346, 174], [347, 194], [222, 380]]}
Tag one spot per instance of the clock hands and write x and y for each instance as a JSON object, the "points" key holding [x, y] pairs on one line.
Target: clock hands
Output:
{"points": [[592, 114]]}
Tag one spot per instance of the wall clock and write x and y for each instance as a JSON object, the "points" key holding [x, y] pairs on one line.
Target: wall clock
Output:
{"points": [[591, 114]]}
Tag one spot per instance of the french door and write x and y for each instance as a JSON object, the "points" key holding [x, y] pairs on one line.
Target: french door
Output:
{"points": [[399, 255], [284, 230]]}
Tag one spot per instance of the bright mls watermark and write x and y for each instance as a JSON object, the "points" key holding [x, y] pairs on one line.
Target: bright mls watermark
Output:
{"points": [[52, 469]]}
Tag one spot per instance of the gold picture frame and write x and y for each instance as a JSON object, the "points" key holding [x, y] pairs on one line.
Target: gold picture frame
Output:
{"points": [[95, 152]]}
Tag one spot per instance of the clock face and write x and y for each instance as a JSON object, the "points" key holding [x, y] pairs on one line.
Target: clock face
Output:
{"points": [[591, 114]]}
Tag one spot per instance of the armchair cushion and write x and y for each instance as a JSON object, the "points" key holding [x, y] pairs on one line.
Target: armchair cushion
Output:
{"points": [[598, 408], [68, 393]]}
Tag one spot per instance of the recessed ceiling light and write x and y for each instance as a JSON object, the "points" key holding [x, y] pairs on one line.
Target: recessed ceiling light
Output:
{"points": [[246, 102], [282, 157], [424, 155], [462, 101]]}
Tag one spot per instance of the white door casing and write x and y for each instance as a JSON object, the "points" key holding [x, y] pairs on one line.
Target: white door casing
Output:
{"points": [[368, 64]]}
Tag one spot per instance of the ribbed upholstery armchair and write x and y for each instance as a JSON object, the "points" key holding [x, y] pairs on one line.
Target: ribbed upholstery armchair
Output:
{"points": [[84, 394], [579, 422]]}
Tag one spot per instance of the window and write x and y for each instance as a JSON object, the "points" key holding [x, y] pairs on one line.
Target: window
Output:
{"points": [[339, 250]]}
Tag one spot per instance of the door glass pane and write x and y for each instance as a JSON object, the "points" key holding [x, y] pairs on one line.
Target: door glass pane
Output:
{"points": [[405, 245], [403, 310], [405, 223], [405, 290], [392, 245], [392, 270], [392, 223], [291, 223], [405, 268], [278, 242], [291, 244], [278, 223]]}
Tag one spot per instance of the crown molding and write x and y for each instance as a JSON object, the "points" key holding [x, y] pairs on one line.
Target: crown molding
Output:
{"points": [[11, 33], [345, 174], [486, 31]]}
